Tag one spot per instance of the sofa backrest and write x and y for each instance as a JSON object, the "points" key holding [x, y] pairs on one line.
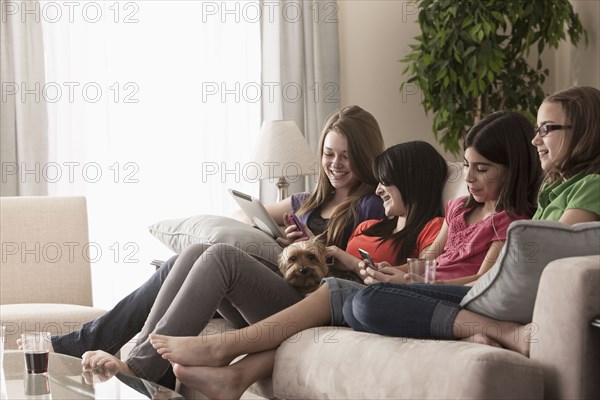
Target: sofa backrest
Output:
{"points": [[455, 185], [44, 251]]}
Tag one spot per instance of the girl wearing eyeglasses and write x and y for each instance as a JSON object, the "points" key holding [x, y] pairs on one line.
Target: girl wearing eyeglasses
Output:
{"points": [[567, 140]]}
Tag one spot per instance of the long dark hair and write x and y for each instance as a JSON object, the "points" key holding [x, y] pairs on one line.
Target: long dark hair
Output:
{"points": [[504, 137], [419, 172]]}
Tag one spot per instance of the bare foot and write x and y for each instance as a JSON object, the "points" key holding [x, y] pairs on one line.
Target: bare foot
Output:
{"points": [[516, 338], [190, 350], [100, 359], [482, 339], [214, 383], [523, 339]]}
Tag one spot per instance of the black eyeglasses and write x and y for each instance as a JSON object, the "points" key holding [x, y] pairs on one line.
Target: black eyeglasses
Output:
{"points": [[545, 129]]}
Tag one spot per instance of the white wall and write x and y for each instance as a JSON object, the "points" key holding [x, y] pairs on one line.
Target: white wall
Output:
{"points": [[580, 66], [375, 34]]}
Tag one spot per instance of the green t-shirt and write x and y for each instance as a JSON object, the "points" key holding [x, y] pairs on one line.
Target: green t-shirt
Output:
{"points": [[581, 191]]}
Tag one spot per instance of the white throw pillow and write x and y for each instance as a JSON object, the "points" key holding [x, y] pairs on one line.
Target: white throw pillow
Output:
{"points": [[508, 291], [177, 234]]}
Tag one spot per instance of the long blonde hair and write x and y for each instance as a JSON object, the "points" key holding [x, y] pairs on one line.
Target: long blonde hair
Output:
{"points": [[365, 142]]}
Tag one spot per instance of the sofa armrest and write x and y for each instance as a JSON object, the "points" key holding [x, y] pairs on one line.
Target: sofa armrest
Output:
{"points": [[565, 344], [45, 251]]}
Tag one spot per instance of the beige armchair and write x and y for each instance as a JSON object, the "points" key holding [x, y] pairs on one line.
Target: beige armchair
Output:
{"points": [[45, 274]]}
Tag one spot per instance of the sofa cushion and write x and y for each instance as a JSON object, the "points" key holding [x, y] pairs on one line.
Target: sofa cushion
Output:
{"points": [[508, 291], [177, 234], [339, 363]]}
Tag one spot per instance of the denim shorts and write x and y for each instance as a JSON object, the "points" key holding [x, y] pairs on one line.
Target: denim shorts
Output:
{"points": [[339, 291]]}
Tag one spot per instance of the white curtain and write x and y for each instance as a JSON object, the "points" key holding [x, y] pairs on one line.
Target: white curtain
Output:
{"points": [[149, 120], [300, 60], [23, 117]]}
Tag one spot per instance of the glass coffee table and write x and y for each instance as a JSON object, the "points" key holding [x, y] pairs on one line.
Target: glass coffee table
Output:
{"points": [[66, 380]]}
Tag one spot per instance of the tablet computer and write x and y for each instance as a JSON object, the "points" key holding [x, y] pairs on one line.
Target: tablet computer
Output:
{"points": [[257, 213]]}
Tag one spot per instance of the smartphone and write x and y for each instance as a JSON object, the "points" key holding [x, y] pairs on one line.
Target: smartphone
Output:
{"points": [[294, 220], [367, 258]]}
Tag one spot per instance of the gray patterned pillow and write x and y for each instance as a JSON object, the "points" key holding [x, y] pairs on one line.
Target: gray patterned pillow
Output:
{"points": [[508, 291]]}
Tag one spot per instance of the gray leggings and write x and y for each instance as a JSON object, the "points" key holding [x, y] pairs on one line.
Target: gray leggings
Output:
{"points": [[244, 288]]}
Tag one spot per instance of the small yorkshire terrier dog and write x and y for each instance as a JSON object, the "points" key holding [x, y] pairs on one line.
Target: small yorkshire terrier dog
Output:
{"points": [[303, 264]]}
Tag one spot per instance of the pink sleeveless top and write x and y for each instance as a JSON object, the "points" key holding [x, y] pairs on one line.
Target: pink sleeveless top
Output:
{"points": [[467, 245]]}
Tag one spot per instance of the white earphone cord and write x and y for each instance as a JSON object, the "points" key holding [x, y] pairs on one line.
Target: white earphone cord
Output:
{"points": [[494, 226]]}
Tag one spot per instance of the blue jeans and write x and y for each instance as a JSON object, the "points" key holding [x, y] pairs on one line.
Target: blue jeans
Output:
{"points": [[340, 290], [417, 311], [118, 326]]}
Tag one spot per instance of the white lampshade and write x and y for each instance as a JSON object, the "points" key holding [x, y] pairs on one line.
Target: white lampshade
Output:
{"points": [[282, 151]]}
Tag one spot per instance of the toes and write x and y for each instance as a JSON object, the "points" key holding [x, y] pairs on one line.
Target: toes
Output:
{"points": [[154, 337], [156, 344]]}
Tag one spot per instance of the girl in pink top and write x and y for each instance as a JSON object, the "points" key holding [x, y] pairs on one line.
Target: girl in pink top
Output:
{"points": [[467, 245]]}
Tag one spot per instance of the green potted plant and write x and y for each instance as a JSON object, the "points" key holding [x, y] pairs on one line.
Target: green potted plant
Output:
{"points": [[472, 58]]}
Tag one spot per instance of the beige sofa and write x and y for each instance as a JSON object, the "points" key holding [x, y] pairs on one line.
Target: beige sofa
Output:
{"points": [[338, 363]]}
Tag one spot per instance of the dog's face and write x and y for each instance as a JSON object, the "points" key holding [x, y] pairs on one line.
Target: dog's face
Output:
{"points": [[303, 265]]}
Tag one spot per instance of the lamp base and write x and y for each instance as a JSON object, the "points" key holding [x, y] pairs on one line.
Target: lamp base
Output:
{"points": [[282, 189]]}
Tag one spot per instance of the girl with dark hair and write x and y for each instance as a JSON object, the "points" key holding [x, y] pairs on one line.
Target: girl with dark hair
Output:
{"points": [[414, 214], [421, 202]]}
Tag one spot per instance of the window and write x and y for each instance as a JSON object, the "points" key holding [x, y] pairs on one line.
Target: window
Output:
{"points": [[151, 116]]}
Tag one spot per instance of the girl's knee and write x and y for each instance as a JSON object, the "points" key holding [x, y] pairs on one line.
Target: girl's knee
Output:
{"points": [[194, 251], [360, 308], [168, 265], [228, 254], [348, 313]]}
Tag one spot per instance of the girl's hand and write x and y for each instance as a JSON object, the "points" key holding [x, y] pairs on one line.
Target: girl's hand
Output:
{"points": [[343, 260], [332, 251], [292, 233], [386, 273]]}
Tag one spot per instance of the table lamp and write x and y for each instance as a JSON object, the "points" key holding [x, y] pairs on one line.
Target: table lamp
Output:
{"points": [[282, 152]]}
